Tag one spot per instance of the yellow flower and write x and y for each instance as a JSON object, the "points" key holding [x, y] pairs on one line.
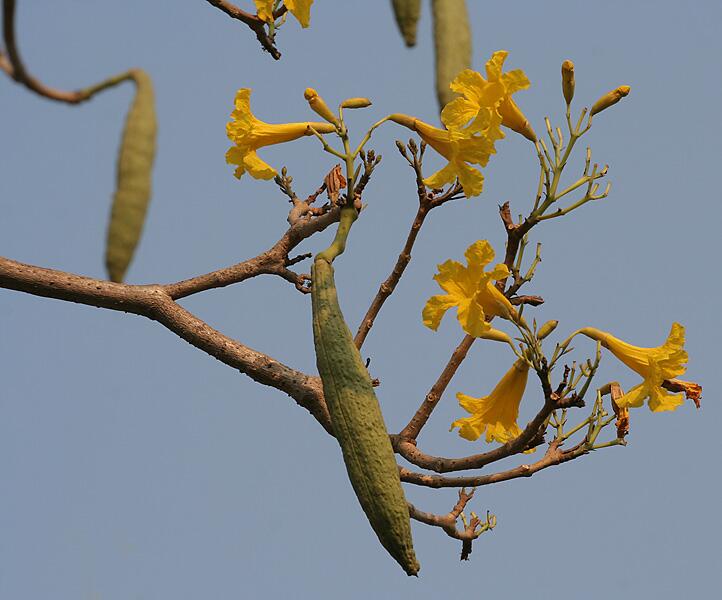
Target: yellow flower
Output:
{"points": [[653, 364], [301, 9], [471, 290], [459, 148], [479, 95], [248, 134], [496, 413]]}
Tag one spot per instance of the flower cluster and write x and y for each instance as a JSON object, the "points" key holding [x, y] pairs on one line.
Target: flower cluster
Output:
{"points": [[472, 123]]}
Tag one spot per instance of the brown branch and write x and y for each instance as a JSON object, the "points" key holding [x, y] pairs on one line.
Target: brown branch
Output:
{"points": [[157, 302], [389, 285], [531, 437], [409, 433], [427, 201], [553, 456], [254, 23], [273, 261], [15, 68], [154, 302], [472, 530]]}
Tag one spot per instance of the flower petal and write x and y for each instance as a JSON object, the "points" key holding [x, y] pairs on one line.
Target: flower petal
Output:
{"points": [[479, 254], [495, 64], [514, 81], [301, 9], [472, 319], [457, 113], [435, 309], [660, 400], [256, 167], [441, 177], [470, 179]]}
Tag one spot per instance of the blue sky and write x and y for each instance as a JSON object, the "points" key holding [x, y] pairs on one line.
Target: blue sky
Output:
{"points": [[135, 466]]}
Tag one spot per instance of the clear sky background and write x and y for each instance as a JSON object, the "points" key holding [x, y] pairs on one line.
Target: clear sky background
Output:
{"points": [[134, 466]]}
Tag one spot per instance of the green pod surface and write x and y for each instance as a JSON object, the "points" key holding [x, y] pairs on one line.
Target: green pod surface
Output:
{"points": [[134, 178], [358, 423], [407, 13], [452, 44]]}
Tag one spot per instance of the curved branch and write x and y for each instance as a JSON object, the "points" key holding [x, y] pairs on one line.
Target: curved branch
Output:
{"points": [[273, 261], [553, 456], [254, 23], [154, 302], [14, 67]]}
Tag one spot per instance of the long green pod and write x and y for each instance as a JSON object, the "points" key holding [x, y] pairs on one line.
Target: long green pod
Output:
{"points": [[357, 420], [407, 13], [452, 44], [134, 178]]}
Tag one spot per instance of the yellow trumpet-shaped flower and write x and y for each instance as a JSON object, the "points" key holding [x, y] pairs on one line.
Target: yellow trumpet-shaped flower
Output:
{"points": [[301, 9], [471, 290], [479, 95], [248, 134], [654, 365], [495, 414], [461, 149]]}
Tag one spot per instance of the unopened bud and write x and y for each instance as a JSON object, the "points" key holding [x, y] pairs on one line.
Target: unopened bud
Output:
{"points": [[609, 99], [319, 106], [404, 120], [356, 103], [546, 329], [568, 81]]}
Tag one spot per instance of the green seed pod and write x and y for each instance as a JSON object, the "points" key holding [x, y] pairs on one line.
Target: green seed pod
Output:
{"points": [[358, 423], [546, 329], [134, 178], [452, 44], [407, 13]]}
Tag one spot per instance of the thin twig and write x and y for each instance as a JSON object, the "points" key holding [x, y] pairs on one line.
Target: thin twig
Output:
{"points": [[15, 68], [256, 25], [471, 530], [553, 456]]}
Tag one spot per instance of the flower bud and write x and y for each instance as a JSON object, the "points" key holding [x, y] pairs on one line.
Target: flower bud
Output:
{"points": [[609, 99], [568, 81], [546, 329], [404, 120], [319, 106], [356, 103]]}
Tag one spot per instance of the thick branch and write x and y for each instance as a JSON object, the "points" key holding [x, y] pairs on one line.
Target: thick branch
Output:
{"points": [[255, 24], [154, 302]]}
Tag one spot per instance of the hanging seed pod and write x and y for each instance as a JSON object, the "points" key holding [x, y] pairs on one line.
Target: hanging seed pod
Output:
{"points": [[452, 44], [407, 13], [357, 420], [134, 177]]}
